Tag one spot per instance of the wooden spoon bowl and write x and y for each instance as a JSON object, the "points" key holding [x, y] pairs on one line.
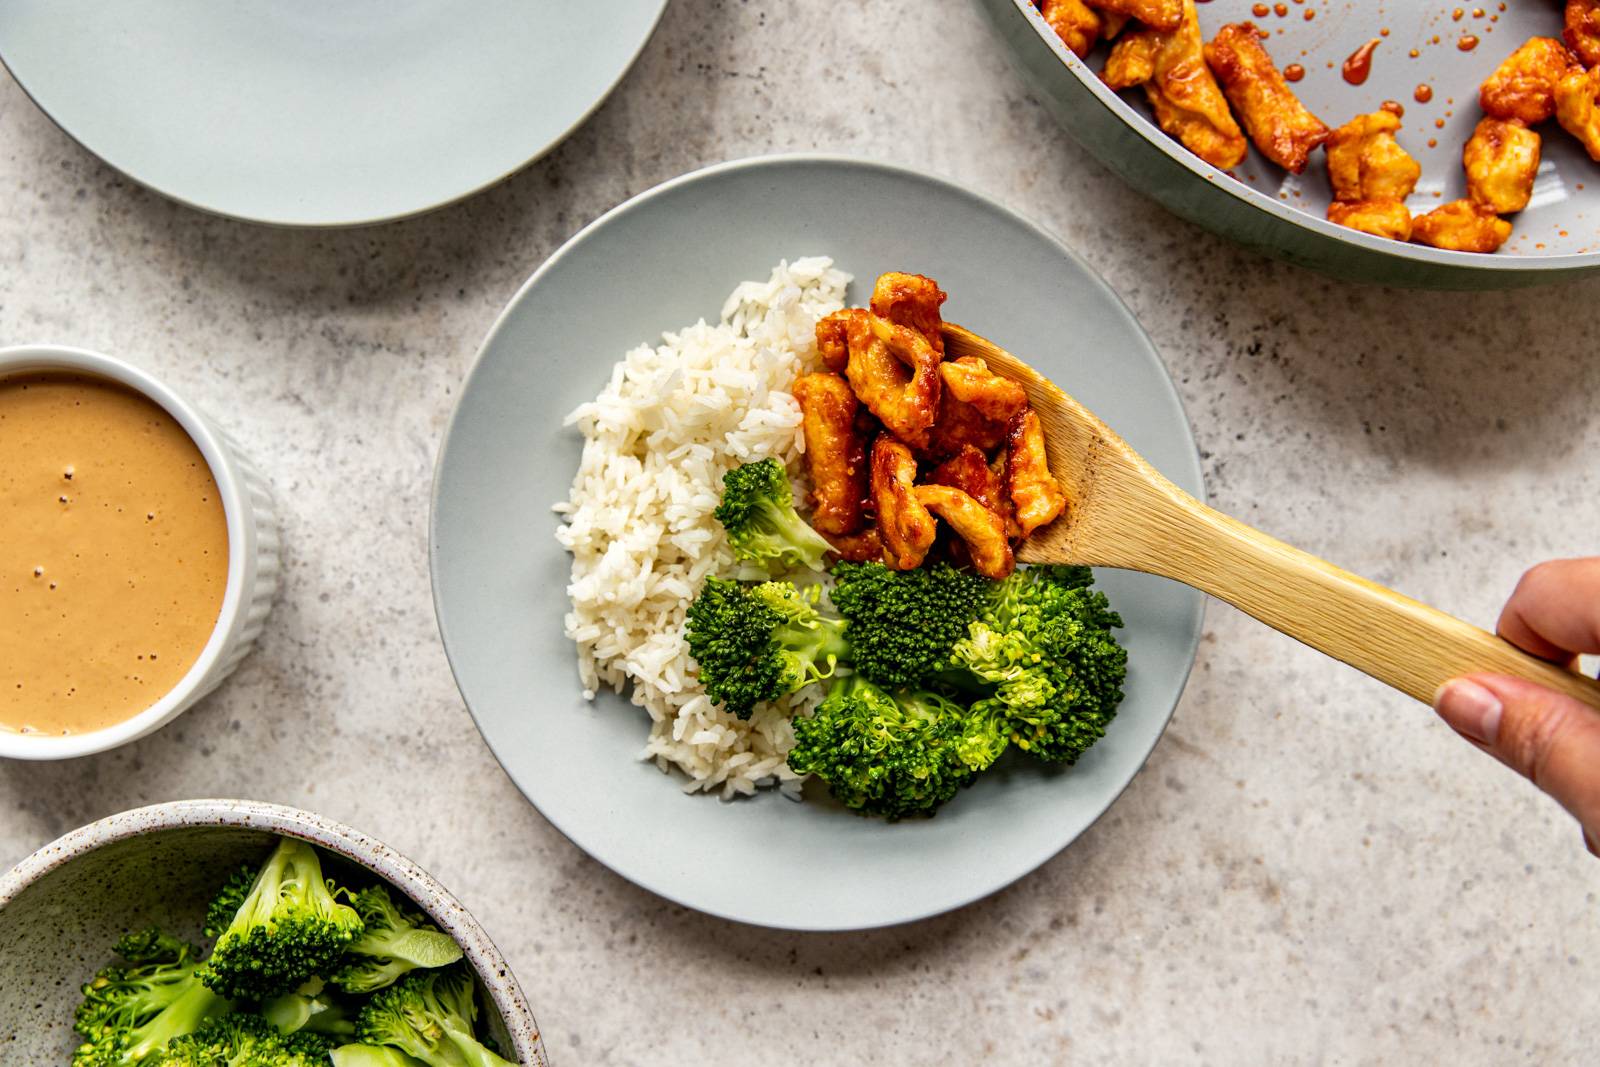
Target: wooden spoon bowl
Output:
{"points": [[1122, 513]]}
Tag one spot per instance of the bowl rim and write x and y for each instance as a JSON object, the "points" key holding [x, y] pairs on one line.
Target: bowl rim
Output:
{"points": [[1480, 261], [237, 511], [490, 965]]}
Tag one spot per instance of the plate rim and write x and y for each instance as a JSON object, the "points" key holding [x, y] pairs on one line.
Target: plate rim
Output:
{"points": [[1488, 262], [376, 220], [1197, 601]]}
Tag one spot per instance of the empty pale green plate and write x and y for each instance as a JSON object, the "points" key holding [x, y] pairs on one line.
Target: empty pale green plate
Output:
{"points": [[318, 113], [659, 262]]}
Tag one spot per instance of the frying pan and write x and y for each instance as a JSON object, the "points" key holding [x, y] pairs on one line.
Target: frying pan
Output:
{"points": [[1265, 208]]}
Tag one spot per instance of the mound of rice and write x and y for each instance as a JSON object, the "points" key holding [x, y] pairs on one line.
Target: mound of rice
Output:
{"points": [[657, 441]]}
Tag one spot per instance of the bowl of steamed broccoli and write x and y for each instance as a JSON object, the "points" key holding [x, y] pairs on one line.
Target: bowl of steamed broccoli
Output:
{"points": [[223, 933]]}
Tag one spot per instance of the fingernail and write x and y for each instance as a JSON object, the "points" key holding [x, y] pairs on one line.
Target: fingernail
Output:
{"points": [[1470, 709]]}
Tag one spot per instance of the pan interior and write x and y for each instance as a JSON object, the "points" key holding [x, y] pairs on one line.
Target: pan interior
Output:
{"points": [[1419, 43]]}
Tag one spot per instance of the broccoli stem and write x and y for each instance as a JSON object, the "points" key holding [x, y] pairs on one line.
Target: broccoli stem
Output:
{"points": [[371, 1056], [183, 1016], [471, 1052]]}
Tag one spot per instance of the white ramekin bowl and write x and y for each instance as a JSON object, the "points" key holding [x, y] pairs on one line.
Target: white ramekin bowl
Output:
{"points": [[63, 907], [252, 554]]}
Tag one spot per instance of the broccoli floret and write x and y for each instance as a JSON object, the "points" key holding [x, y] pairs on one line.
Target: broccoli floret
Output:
{"points": [[313, 1045], [888, 754], [244, 1041], [289, 928], [985, 734], [756, 643], [130, 1013], [757, 510], [392, 943], [154, 946], [428, 1015], [903, 623], [1043, 644], [372, 1056], [229, 899]]}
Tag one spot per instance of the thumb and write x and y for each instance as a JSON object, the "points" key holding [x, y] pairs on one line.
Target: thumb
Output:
{"points": [[1551, 739]]}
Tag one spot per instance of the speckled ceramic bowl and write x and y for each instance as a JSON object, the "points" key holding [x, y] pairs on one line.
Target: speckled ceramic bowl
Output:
{"points": [[1267, 209], [63, 907]]}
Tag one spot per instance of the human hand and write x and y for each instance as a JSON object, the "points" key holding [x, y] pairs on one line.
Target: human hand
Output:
{"points": [[1551, 739]]}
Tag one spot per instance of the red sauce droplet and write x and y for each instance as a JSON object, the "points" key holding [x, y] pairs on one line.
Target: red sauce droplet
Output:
{"points": [[1394, 107], [1423, 94], [1467, 43], [1261, 11], [1359, 65], [1294, 72]]}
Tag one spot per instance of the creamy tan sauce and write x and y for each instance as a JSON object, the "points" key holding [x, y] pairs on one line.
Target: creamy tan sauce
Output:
{"points": [[113, 553]]}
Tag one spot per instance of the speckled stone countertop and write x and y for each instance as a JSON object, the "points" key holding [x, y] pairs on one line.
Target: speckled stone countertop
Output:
{"points": [[1311, 869]]}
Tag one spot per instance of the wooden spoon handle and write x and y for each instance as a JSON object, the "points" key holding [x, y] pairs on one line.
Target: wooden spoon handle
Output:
{"points": [[1395, 639]]}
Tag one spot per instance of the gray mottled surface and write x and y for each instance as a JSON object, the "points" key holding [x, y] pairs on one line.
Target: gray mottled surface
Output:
{"points": [[1311, 869]]}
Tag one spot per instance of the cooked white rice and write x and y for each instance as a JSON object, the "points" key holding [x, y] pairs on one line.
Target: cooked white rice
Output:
{"points": [[657, 441]]}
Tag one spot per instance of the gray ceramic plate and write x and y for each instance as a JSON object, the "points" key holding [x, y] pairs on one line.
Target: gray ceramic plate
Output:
{"points": [[306, 112], [661, 261], [1263, 207]]}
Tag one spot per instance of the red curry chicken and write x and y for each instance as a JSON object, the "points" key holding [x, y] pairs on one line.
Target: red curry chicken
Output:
{"points": [[899, 439]]}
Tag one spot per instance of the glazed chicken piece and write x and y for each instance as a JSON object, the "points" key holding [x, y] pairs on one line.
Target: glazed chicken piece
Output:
{"points": [[1034, 492], [1077, 24], [1578, 108], [1132, 62], [1461, 226], [969, 472], [970, 380], [913, 301], [1276, 120], [904, 524], [960, 424], [833, 341], [1383, 218], [1365, 162], [1164, 15], [1524, 86], [895, 373], [1112, 23], [1501, 159], [863, 547], [983, 531], [1582, 30], [1189, 105], [1371, 176], [836, 455]]}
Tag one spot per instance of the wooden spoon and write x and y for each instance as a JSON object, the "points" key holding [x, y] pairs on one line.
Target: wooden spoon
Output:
{"points": [[1122, 513]]}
